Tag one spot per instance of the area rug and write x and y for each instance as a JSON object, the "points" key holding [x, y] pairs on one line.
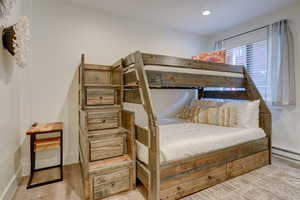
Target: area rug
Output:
{"points": [[267, 183]]}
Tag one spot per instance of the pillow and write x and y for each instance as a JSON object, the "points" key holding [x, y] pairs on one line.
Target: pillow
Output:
{"points": [[205, 104], [184, 113], [220, 116], [199, 115], [248, 113], [213, 116], [216, 56], [228, 116]]}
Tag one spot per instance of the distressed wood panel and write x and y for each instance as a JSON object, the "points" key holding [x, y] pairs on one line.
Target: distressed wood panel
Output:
{"points": [[154, 151], [105, 190], [247, 164], [97, 77], [225, 95], [114, 132], [99, 124], [213, 159], [102, 115], [193, 182], [106, 148], [111, 177], [47, 143], [129, 60], [96, 67], [84, 144], [97, 96], [265, 117], [143, 174], [155, 78], [97, 120], [142, 135], [132, 96], [128, 119], [185, 80], [152, 59], [130, 78]]}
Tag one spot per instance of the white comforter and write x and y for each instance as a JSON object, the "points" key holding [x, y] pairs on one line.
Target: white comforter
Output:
{"points": [[185, 139]]}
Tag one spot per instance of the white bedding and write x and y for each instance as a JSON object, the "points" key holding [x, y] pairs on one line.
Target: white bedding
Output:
{"points": [[191, 71], [185, 139]]}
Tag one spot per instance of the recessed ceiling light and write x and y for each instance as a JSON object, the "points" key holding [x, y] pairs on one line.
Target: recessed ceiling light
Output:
{"points": [[206, 12]]}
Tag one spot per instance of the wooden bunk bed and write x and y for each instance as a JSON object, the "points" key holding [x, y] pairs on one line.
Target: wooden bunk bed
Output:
{"points": [[180, 178]]}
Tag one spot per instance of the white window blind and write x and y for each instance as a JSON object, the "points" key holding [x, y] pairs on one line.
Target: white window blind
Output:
{"points": [[254, 57]]}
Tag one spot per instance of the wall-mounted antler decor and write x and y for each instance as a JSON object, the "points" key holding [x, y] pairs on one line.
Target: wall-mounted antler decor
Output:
{"points": [[9, 35], [6, 7], [15, 39]]}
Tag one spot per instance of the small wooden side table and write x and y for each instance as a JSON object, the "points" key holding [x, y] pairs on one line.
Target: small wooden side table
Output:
{"points": [[45, 144]]}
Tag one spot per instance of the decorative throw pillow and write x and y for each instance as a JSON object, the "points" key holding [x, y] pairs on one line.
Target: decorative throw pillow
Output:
{"points": [[205, 104], [220, 116], [216, 56], [199, 115], [184, 113], [248, 113], [228, 116], [213, 116]]}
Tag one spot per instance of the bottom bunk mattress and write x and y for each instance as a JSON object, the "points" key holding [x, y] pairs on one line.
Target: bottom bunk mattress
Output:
{"points": [[181, 140]]}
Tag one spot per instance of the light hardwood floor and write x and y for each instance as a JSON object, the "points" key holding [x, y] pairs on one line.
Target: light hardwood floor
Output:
{"points": [[71, 187]]}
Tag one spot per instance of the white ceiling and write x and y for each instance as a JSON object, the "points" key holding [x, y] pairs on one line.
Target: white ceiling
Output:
{"points": [[185, 15]]}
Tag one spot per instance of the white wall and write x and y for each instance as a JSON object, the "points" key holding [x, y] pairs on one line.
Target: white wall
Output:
{"points": [[15, 115], [62, 31], [286, 122]]}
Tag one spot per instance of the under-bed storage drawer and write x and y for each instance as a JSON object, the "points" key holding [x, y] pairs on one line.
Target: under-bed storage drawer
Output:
{"points": [[247, 164], [107, 148], [96, 96], [179, 186], [112, 183], [102, 120]]}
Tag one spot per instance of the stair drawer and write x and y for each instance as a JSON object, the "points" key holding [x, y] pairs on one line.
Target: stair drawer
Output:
{"points": [[107, 148], [101, 120], [111, 177], [113, 183], [95, 96], [247, 164]]}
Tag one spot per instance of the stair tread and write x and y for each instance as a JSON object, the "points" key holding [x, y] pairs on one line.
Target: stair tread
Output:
{"points": [[110, 163], [95, 108]]}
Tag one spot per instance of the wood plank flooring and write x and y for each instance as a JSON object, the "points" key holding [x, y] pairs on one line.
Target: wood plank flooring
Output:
{"points": [[281, 181]]}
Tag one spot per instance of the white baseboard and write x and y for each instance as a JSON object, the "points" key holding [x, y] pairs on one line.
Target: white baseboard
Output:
{"points": [[292, 156], [12, 186]]}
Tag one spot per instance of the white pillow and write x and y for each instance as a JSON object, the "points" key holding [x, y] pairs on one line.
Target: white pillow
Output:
{"points": [[248, 113]]}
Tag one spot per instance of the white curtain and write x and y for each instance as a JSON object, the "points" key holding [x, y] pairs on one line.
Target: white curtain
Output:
{"points": [[219, 45], [281, 64]]}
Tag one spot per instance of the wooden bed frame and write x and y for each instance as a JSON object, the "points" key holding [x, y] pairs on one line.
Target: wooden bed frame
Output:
{"points": [[177, 179]]}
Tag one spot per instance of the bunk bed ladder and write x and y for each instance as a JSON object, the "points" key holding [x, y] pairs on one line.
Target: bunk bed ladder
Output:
{"points": [[154, 151]]}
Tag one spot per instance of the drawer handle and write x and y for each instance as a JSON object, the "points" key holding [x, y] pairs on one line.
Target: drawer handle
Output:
{"points": [[103, 121], [209, 177], [100, 98]]}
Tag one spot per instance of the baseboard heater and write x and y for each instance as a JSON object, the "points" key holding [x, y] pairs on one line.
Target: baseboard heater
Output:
{"points": [[295, 156]]}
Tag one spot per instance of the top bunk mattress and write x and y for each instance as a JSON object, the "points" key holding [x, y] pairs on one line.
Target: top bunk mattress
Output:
{"points": [[185, 139], [190, 71]]}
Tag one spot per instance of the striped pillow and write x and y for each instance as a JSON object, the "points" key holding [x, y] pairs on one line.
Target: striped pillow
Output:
{"points": [[219, 116], [185, 113], [205, 104], [199, 115], [228, 116]]}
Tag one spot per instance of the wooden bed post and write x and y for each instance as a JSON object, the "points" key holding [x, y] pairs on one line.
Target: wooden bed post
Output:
{"points": [[265, 116], [154, 151]]}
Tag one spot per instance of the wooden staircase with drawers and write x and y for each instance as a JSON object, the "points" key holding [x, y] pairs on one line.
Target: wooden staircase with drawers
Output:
{"points": [[106, 132]]}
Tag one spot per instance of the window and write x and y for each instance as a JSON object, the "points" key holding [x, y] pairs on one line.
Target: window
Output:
{"points": [[254, 57]]}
